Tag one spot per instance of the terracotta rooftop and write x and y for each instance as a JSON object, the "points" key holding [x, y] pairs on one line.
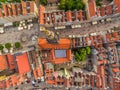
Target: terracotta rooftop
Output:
{"points": [[23, 63], [3, 62], [116, 70], [11, 61], [92, 8], [63, 43]]}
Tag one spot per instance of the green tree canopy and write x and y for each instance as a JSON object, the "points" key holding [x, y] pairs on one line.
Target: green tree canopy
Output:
{"points": [[98, 2], [71, 5], [81, 54], [88, 50], [77, 57], [43, 2], [9, 1], [17, 45], [8, 46], [1, 47]]}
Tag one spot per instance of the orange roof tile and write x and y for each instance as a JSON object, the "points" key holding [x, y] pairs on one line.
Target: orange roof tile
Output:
{"points": [[11, 61], [116, 70], [41, 14], [117, 4], [2, 85], [3, 62], [115, 65], [8, 84], [109, 10], [115, 34], [102, 11], [14, 80], [63, 43], [23, 63], [37, 73], [69, 16], [16, 9], [98, 83], [100, 62], [92, 8]]}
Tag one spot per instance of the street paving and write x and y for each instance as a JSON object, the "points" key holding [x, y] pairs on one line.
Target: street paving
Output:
{"points": [[88, 28], [45, 86], [12, 34]]}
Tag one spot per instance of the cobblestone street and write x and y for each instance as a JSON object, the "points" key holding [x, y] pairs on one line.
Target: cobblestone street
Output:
{"points": [[89, 29]]}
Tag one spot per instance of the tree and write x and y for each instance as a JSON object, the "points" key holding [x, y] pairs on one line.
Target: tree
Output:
{"points": [[77, 56], [98, 2], [1, 47], [71, 5], [8, 46], [88, 50], [8, 1], [17, 45], [81, 54], [62, 4], [43, 2], [79, 5], [83, 57]]}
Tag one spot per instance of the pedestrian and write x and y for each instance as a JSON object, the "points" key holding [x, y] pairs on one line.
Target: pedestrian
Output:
{"points": [[39, 80], [34, 80], [28, 81], [33, 83]]}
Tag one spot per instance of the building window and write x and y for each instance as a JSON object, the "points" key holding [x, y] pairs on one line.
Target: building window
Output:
{"points": [[60, 53]]}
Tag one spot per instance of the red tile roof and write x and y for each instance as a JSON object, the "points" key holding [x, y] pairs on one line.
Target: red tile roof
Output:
{"points": [[3, 62], [117, 5], [2, 85], [63, 43], [16, 8], [41, 14], [92, 8], [109, 10], [14, 79], [69, 16], [11, 61], [116, 70], [37, 73], [98, 83], [102, 11], [23, 63]]}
